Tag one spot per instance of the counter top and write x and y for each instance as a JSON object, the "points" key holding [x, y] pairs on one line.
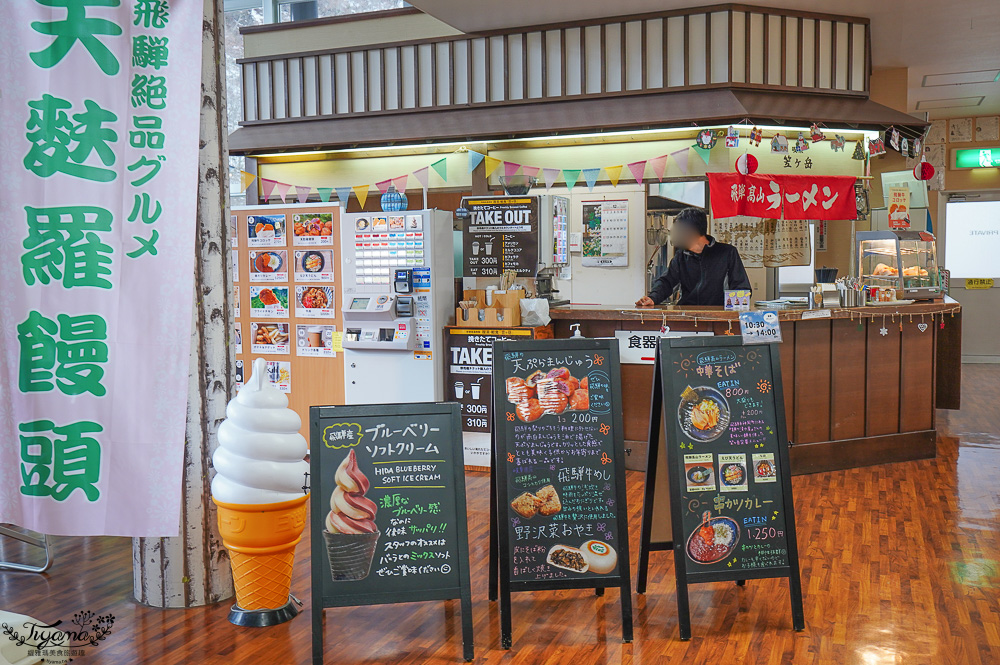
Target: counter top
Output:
{"points": [[676, 313]]}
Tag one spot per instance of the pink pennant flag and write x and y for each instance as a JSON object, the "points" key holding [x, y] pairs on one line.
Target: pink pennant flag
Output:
{"points": [[681, 157], [510, 168], [659, 165], [530, 171], [422, 176], [266, 187], [638, 170], [303, 193], [384, 185], [283, 190], [400, 183], [550, 176]]}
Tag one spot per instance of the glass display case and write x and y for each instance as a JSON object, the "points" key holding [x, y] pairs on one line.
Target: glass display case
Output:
{"points": [[902, 260]]}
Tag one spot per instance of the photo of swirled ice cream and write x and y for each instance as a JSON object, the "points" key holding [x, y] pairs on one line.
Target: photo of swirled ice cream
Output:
{"points": [[260, 458], [350, 510]]}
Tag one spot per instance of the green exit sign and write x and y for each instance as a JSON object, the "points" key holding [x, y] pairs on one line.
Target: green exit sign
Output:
{"points": [[977, 158]]}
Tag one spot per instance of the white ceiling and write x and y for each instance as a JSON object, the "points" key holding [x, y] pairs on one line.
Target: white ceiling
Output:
{"points": [[927, 36]]}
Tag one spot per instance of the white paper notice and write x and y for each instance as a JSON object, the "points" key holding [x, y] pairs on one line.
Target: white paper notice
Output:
{"points": [[605, 233]]}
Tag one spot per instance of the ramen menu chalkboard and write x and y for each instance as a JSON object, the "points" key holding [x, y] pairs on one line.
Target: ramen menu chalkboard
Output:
{"points": [[559, 503], [727, 457], [388, 521]]}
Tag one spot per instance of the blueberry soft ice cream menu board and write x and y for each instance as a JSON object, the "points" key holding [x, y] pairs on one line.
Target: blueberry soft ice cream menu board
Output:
{"points": [[559, 473], [388, 515], [727, 456]]}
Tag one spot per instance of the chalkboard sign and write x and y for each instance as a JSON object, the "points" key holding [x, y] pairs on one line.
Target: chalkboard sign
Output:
{"points": [[558, 514], [500, 233], [730, 492], [388, 522]]}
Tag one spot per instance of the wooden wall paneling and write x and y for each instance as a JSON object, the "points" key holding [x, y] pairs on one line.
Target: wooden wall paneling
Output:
{"points": [[543, 62], [747, 20], [643, 60], [816, 57], [766, 73], [787, 353], [687, 50], [882, 387], [798, 48], [948, 373], [812, 381], [729, 45], [916, 389], [784, 52], [563, 65], [849, 365]]}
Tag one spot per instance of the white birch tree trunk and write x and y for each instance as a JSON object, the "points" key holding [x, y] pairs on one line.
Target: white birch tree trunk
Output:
{"points": [[193, 568]]}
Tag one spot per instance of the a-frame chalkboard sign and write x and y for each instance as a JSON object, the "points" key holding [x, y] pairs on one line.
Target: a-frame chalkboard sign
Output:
{"points": [[388, 522], [728, 479], [558, 516]]}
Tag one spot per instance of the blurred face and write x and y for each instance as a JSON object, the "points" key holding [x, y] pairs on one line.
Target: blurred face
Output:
{"points": [[682, 236]]}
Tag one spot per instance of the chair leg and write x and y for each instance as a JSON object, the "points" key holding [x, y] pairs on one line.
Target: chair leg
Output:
{"points": [[40, 541]]}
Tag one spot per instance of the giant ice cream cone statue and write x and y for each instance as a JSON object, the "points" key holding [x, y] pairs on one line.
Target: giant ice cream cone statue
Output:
{"points": [[259, 491]]}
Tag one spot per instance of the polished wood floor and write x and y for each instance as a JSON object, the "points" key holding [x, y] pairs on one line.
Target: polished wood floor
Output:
{"points": [[900, 564]]}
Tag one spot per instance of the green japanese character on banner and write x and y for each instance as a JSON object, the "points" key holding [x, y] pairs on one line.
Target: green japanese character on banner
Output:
{"points": [[150, 51], [37, 339], [143, 161], [145, 245], [72, 351], [151, 13], [144, 136], [59, 145], [140, 209], [149, 91], [59, 463], [63, 244], [77, 27]]}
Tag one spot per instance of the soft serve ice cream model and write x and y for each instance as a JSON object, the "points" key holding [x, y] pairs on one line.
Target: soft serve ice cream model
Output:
{"points": [[260, 489], [351, 534]]}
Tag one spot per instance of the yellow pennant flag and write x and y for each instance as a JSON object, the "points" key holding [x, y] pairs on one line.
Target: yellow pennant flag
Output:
{"points": [[613, 173], [491, 165], [361, 191], [246, 179]]}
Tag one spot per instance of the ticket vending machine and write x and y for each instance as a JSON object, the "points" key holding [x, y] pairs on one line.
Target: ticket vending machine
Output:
{"points": [[398, 287]]}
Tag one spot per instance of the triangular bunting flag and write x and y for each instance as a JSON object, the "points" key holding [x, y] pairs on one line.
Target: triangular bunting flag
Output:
{"points": [[441, 168], [659, 165], [475, 158], [704, 153], [491, 165], [245, 180], [510, 168], [614, 172], [383, 186], [681, 157], [266, 187], [303, 193], [530, 171], [325, 192], [361, 191], [344, 194], [282, 190], [550, 176], [422, 176], [400, 182], [638, 170], [571, 176], [590, 176]]}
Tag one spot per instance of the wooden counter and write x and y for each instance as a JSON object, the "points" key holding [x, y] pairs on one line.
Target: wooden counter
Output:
{"points": [[853, 396]]}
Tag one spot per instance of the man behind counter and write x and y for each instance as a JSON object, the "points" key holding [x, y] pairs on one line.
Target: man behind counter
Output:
{"points": [[703, 269]]}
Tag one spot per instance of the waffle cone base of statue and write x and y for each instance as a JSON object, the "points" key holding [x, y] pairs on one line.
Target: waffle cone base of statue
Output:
{"points": [[261, 540], [260, 490]]}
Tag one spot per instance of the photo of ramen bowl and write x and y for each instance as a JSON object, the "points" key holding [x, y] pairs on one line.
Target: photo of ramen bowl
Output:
{"points": [[313, 262], [703, 413]]}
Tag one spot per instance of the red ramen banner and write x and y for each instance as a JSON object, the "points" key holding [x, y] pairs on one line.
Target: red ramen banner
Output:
{"points": [[790, 197]]}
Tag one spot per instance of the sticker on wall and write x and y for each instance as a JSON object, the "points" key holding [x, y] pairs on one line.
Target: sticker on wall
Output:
{"points": [[312, 229], [801, 145], [779, 144], [269, 302], [266, 230], [269, 338], [314, 302], [876, 147], [238, 338], [838, 143], [269, 265], [279, 372], [732, 137], [313, 265], [238, 375], [233, 234], [314, 341], [756, 135], [236, 301], [816, 134]]}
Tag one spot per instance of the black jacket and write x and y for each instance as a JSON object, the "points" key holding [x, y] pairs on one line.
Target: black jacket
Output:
{"points": [[703, 278]]}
